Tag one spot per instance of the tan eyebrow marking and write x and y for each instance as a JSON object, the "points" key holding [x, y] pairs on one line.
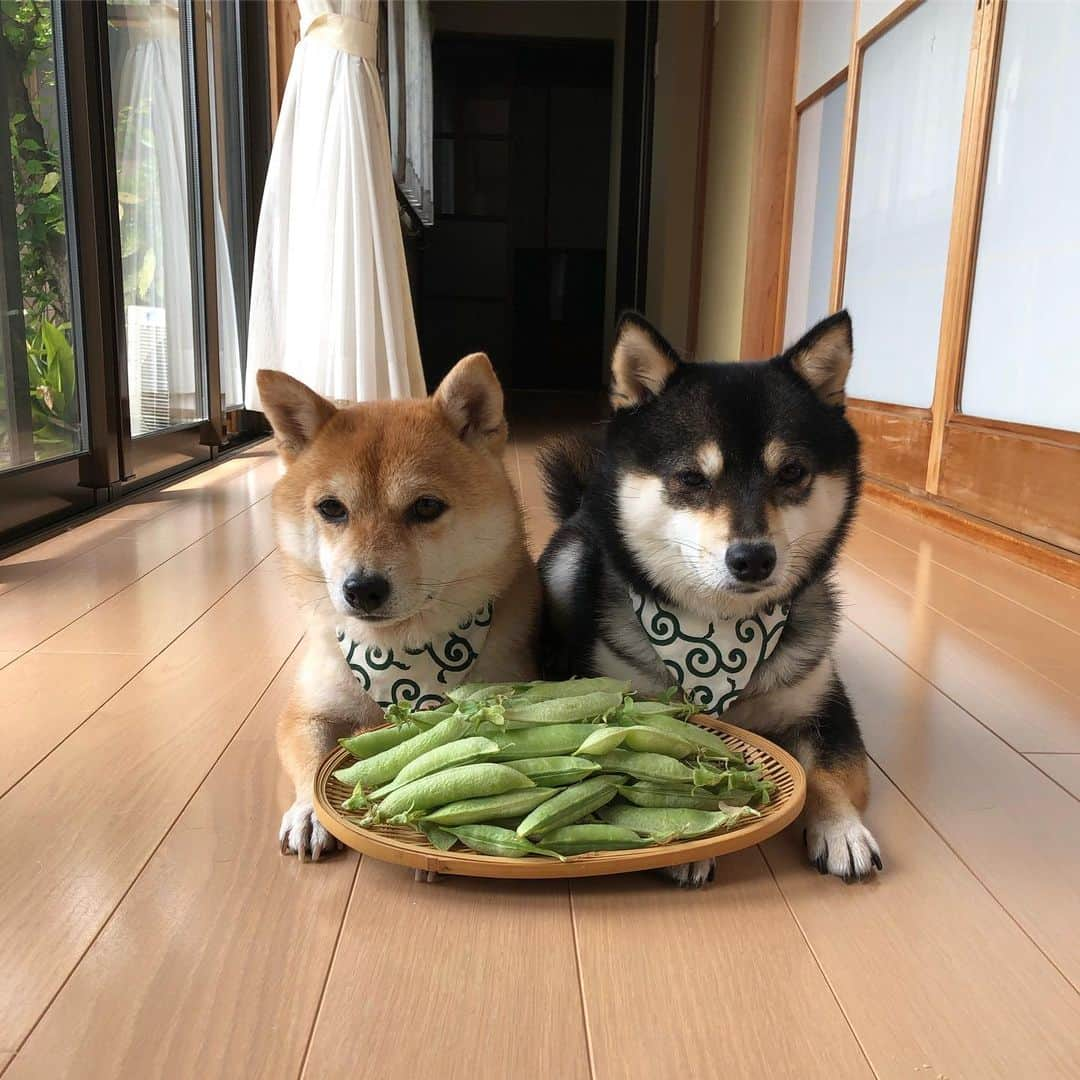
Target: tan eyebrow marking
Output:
{"points": [[710, 459], [774, 455]]}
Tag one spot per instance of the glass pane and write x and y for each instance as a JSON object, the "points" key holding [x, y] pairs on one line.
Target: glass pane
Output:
{"points": [[41, 377], [824, 42], [813, 226], [230, 212], [165, 382], [1021, 357], [911, 105]]}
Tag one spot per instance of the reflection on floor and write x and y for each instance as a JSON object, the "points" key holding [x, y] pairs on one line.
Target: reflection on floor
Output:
{"points": [[149, 927]]}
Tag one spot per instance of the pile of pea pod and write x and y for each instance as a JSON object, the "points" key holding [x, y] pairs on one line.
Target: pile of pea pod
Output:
{"points": [[550, 769]]}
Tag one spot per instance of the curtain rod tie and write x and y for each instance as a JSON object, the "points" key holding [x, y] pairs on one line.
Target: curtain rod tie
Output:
{"points": [[345, 33]]}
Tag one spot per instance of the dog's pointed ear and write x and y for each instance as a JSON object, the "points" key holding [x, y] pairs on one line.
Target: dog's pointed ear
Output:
{"points": [[641, 362], [472, 400], [295, 411], [822, 357]]}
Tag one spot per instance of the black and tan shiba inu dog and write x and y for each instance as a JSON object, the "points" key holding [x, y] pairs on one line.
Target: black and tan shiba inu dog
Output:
{"points": [[695, 549]]}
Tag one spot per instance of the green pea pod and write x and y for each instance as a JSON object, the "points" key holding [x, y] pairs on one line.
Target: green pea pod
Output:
{"points": [[491, 840], [665, 824], [452, 785], [633, 710], [484, 692], [602, 741], [571, 688], [570, 805], [650, 740], [709, 742], [459, 752], [556, 771], [375, 771], [365, 744], [581, 839], [548, 741], [491, 808], [688, 799], [734, 797], [646, 766], [566, 710]]}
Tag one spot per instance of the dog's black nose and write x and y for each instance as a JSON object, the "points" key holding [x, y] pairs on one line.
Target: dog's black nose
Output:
{"points": [[365, 592], [751, 560]]}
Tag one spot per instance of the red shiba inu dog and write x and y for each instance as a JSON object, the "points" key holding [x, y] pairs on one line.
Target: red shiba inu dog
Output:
{"points": [[402, 514]]}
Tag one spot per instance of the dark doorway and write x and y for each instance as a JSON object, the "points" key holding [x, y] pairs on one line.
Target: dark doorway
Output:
{"points": [[515, 262]]}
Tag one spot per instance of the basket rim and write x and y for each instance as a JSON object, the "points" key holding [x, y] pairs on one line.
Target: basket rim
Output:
{"points": [[385, 844]]}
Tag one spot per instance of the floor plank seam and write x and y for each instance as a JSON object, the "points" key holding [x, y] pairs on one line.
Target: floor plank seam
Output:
{"points": [[149, 660], [967, 712], [157, 847], [1053, 779], [581, 983], [136, 526], [151, 570], [329, 970], [975, 581], [971, 870], [818, 964], [967, 629]]}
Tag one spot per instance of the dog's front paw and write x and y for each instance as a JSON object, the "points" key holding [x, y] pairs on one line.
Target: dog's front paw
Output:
{"points": [[691, 875], [844, 847], [303, 834]]}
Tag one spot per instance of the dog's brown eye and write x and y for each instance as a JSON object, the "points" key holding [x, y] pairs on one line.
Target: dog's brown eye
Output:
{"points": [[332, 510], [791, 472], [427, 508], [691, 478]]}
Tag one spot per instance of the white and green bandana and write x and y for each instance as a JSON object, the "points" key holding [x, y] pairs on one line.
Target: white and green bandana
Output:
{"points": [[420, 676], [711, 660]]}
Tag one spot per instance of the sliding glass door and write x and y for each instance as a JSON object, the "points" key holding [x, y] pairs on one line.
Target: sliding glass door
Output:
{"points": [[43, 428], [136, 138]]}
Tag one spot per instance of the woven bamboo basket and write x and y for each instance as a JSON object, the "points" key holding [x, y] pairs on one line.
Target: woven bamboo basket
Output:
{"points": [[407, 847]]}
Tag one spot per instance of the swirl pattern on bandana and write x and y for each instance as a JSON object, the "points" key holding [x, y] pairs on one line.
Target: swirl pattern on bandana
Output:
{"points": [[710, 660], [419, 676]]}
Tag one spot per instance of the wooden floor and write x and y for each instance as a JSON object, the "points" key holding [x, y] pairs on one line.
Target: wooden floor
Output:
{"points": [[149, 927]]}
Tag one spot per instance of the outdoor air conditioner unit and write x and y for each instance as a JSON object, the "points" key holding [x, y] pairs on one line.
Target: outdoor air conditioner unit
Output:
{"points": [[148, 369]]}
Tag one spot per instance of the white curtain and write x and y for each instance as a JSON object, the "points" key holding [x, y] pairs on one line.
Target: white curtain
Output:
{"points": [[154, 201], [330, 299]]}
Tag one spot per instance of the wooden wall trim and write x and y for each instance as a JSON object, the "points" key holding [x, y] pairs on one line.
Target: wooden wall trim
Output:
{"points": [[889, 407], [964, 230], [883, 26], [701, 180], [283, 34], [1026, 484], [826, 87], [1051, 436], [780, 313], [1020, 548], [847, 164], [895, 442], [768, 191]]}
